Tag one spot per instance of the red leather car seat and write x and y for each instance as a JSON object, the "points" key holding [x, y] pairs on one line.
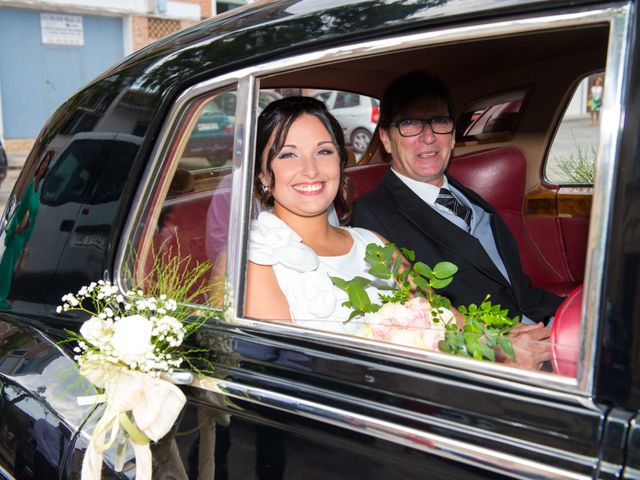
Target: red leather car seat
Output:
{"points": [[565, 335], [498, 175], [366, 177]]}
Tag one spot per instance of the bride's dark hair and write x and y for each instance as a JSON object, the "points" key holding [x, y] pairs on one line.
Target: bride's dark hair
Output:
{"points": [[278, 117]]}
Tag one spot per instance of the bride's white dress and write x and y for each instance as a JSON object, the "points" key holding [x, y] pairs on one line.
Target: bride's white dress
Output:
{"points": [[303, 276]]}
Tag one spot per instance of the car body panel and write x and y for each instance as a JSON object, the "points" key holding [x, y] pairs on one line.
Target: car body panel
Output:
{"points": [[284, 402]]}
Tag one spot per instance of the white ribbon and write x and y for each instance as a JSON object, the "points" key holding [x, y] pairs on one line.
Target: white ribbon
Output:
{"points": [[153, 403]]}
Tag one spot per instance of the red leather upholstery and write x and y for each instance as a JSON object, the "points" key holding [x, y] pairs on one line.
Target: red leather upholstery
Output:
{"points": [[183, 222], [498, 175], [565, 335], [366, 177]]}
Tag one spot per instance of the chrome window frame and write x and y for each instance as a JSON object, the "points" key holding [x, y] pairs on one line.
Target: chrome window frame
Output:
{"points": [[617, 16]]}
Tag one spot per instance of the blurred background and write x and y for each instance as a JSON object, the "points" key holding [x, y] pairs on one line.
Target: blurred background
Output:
{"points": [[51, 48]]}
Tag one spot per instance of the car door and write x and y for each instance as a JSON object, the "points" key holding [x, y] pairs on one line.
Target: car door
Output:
{"points": [[291, 402]]}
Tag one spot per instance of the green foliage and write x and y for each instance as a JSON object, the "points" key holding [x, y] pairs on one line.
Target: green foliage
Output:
{"points": [[485, 329], [386, 262], [579, 166]]}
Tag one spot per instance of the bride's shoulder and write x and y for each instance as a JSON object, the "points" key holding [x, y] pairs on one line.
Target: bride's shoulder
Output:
{"points": [[272, 241], [367, 236]]}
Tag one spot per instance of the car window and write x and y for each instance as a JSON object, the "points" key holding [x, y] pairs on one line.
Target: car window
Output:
{"points": [[105, 160], [572, 156], [491, 119], [346, 100], [226, 102], [357, 114], [191, 216]]}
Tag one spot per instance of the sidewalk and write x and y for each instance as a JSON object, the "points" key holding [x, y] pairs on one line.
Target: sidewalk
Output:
{"points": [[16, 161]]}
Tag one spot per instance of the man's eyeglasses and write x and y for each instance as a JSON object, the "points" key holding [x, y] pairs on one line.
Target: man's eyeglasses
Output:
{"points": [[413, 127]]}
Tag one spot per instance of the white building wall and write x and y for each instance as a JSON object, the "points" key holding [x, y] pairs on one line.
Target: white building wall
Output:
{"points": [[173, 9]]}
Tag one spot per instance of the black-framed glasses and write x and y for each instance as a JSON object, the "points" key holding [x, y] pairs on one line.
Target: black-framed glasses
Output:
{"points": [[412, 127]]}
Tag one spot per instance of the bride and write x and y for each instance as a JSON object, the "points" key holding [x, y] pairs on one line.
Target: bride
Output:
{"points": [[293, 247]]}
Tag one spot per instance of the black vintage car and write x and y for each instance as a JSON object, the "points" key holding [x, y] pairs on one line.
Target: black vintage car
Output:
{"points": [[108, 185]]}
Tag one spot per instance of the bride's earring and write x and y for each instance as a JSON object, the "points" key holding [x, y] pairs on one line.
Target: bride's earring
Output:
{"points": [[265, 189]]}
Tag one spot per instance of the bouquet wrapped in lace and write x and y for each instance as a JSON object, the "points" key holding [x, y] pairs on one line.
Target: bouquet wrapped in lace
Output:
{"points": [[125, 349]]}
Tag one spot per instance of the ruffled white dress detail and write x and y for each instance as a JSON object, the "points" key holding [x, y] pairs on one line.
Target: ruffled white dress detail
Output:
{"points": [[303, 276]]}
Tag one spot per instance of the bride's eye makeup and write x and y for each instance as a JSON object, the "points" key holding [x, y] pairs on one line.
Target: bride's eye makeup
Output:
{"points": [[326, 151], [284, 154]]}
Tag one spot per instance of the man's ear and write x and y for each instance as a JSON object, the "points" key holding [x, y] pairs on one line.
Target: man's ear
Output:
{"points": [[384, 138]]}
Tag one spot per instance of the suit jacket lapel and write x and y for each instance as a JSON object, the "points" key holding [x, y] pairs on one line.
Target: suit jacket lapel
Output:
{"points": [[439, 229]]}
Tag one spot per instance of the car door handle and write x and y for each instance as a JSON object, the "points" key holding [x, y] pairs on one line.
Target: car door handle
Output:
{"points": [[66, 225]]}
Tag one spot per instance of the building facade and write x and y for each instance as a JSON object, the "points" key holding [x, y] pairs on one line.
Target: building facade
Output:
{"points": [[51, 48]]}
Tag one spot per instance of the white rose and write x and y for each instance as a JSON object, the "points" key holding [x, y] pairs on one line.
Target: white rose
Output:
{"points": [[432, 336], [408, 338], [131, 339], [93, 330], [396, 312]]}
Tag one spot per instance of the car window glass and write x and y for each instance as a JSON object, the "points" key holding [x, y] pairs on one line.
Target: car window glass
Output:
{"points": [[346, 100], [357, 114], [106, 160], [491, 119], [192, 223], [572, 156]]}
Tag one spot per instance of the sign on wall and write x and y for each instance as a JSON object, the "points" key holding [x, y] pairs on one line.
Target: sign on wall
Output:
{"points": [[61, 29]]}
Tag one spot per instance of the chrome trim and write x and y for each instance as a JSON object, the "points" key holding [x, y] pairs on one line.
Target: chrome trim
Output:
{"points": [[431, 443], [527, 382], [242, 194], [5, 474], [630, 473], [610, 129], [467, 370]]}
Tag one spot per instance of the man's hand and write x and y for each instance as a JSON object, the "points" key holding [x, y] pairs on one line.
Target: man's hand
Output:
{"points": [[531, 345]]}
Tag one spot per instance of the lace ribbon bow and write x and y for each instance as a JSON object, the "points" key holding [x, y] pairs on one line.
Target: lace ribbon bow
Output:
{"points": [[153, 404]]}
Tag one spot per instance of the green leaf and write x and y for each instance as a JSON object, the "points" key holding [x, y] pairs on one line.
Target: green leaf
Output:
{"points": [[364, 282], [380, 271], [423, 269], [440, 283], [487, 352], [353, 315], [339, 282], [506, 347], [396, 265], [358, 297], [444, 346], [372, 249], [386, 252], [444, 270], [409, 254], [421, 282]]}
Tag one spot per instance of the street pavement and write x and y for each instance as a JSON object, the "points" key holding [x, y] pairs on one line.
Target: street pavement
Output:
{"points": [[16, 160], [571, 132]]}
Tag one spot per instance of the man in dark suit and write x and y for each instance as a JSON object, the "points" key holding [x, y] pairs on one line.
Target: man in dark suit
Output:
{"points": [[418, 207]]}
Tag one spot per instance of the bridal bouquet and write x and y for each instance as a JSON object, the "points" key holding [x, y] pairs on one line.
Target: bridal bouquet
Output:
{"points": [[412, 314], [131, 340]]}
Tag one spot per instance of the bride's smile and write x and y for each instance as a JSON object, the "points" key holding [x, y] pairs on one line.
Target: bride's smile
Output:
{"points": [[305, 172]]}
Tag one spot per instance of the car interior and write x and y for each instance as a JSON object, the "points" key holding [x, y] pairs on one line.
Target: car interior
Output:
{"points": [[510, 92]]}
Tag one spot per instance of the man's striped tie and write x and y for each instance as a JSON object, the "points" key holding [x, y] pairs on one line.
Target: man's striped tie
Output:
{"points": [[447, 200]]}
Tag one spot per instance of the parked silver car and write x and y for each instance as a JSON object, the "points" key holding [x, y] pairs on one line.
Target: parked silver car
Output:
{"points": [[358, 115]]}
